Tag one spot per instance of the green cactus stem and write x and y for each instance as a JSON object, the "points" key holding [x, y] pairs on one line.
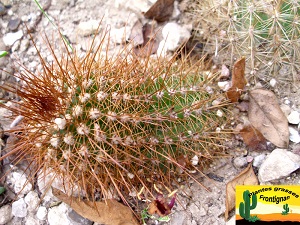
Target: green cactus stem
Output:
{"points": [[245, 207], [286, 209]]}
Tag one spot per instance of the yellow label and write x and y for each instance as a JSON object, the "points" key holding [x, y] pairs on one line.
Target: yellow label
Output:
{"points": [[267, 203]]}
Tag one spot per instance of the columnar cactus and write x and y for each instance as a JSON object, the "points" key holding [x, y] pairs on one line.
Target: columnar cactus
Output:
{"points": [[286, 209], [245, 207], [121, 121]]}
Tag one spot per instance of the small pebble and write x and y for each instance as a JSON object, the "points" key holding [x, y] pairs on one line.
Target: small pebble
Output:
{"points": [[224, 85], [41, 213], [5, 214], [2, 9], [32, 200], [10, 38], [294, 135], [294, 117], [19, 208], [258, 160], [240, 162], [273, 82], [13, 24]]}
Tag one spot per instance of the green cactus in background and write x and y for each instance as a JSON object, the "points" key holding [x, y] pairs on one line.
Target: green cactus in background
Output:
{"points": [[286, 209], [267, 33], [245, 207]]}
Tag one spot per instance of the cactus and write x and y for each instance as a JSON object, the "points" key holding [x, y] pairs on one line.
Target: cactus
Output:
{"points": [[286, 209], [100, 122], [245, 207], [265, 32]]}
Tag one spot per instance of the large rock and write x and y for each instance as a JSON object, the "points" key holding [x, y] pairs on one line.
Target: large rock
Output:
{"points": [[280, 163]]}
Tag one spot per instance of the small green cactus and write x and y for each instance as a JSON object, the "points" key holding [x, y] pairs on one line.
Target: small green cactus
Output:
{"points": [[286, 209], [245, 207]]}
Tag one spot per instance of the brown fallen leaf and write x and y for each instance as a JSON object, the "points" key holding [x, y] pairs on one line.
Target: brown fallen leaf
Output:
{"points": [[150, 44], [136, 35], [238, 80], [246, 177], [161, 11], [109, 212], [266, 116], [253, 138]]}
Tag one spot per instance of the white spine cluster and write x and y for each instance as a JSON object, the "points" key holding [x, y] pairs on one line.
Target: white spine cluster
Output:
{"points": [[69, 139], [83, 129], [94, 113], [101, 96], [54, 141], [61, 123], [84, 97], [77, 111]]}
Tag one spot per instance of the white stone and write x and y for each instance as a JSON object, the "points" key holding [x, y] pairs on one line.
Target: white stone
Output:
{"points": [[10, 38], [20, 183], [173, 36], [258, 160], [273, 82], [280, 163], [294, 117], [87, 28], [30, 220], [58, 215], [219, 113], [224, 85], [231, 221], [19, 208], [49, 178], [195, 160], [32, 200], [5, 214], [120, 35], [294, 135], [41, 213]]}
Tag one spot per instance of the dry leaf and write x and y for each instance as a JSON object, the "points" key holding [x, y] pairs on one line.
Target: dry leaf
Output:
{"points": [[161, 11], [136, 35], [238, 80], [253, 138], [267, 117], [150, 44], [246, 177], [109, 212]]}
